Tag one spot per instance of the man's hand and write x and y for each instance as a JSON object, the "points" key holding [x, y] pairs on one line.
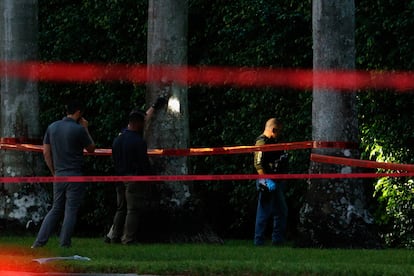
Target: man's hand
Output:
{"points": [[271, 185], [266, 185], [83, 122], [159, 102], [47, 153]]}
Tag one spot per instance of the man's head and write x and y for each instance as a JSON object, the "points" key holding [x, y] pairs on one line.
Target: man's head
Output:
{"points": [[272, 128], [74, 108], [136, 120]]}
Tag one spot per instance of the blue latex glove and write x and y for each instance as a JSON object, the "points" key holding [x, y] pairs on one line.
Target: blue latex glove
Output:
{"points": [[266, 185], [271, 185]]}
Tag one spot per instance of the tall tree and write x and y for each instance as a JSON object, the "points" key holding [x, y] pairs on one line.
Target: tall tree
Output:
{"points": [[334, 213], [169, 127], [19, 106], [167, 45]]}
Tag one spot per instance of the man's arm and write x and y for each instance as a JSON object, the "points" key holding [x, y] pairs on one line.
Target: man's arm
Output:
{"points": [[258, 158], [160, 102], [47, 154], [91, 147], [260, 171], [258, 162]]}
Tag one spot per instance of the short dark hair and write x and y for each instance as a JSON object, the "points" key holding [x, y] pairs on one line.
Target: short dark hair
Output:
{"points": [[137, 115], [73, 106]]}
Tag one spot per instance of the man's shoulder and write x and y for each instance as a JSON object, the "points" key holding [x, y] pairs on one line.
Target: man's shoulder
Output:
{"points": [[131, 134], [261, 139], [65, 123], [128, 136], [55, 124], [264, 140], [118, 138]]}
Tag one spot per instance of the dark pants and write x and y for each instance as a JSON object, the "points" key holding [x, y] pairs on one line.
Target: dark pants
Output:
{"points": [[132, 200], [67, 198], [271, 205], [117, 228]]}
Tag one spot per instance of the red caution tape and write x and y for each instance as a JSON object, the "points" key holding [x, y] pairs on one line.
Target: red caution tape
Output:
{"points": [[20, 140], [226, 150], [210, 76], [222, 177], [334, 144], [360, 163]]}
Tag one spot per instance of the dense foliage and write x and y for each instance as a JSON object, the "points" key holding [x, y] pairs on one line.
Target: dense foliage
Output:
{"points": [[384, 42], [96, 32], [261, 33]]}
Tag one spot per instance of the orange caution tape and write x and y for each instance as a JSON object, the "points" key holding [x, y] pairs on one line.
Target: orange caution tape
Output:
{"points": [[200, 151], [226, 150]]}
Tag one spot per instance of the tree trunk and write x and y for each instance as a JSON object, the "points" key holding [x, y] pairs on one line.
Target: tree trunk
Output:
{"points": [[169, 126], [19, 110], [334, 213]]}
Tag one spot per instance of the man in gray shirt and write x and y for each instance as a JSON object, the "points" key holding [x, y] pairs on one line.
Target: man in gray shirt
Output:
{"points": [[63, 146]]}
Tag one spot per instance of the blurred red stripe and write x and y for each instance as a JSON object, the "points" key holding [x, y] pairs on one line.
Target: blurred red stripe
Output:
{"points": [[209, 75]]}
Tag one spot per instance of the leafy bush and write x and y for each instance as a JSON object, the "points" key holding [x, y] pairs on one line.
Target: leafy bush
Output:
{"points": [[384, 42], [395, 212], [395, 196]]}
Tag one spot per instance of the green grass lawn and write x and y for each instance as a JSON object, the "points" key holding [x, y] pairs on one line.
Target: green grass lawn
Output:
{"points": [[232, 258]]}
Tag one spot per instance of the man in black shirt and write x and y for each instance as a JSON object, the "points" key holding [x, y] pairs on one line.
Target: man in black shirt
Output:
{"points": [[129, 152]]}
